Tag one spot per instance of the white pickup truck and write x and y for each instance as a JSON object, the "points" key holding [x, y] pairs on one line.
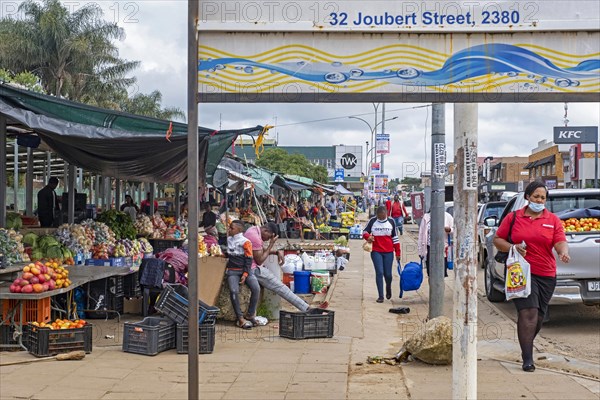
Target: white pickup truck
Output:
{"points": [[577, 281]]}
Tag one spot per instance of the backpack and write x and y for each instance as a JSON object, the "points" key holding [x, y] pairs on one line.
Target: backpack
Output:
{"points": [[411, 277]]}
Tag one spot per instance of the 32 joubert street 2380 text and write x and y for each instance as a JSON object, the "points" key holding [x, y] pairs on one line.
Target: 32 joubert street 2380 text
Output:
{"points": [[426, 18]]}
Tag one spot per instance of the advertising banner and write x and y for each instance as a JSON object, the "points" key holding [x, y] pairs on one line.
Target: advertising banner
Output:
{"points": [[375, 167], [382, 142], [339, 175], [381, 184], [386, 50]]}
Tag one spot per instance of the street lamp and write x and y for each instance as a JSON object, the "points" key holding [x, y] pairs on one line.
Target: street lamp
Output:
{"points": [[373, 144]]}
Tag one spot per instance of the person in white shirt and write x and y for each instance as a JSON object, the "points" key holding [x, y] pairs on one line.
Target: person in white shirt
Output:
{"points": [[425, 238]]}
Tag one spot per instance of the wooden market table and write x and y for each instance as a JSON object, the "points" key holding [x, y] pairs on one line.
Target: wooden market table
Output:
{"points": [[78, 274]]}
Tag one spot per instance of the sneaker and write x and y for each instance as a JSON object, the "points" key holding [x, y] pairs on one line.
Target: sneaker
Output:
{"points": [[380, 300]]}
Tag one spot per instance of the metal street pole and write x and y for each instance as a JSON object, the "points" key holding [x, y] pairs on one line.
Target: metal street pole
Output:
{"points": [[29, 184], [437, 233], [464, 350], [382, 132], [71, 198], [3, 171], [193, 183], [374, 133], [596, 165], [16, 176]]}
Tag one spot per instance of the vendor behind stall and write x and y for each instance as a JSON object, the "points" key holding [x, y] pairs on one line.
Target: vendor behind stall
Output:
{"points": [[209, 221], [130, 207]]}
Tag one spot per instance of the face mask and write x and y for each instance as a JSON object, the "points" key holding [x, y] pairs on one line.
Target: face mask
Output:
{"points": [[536, 207]]}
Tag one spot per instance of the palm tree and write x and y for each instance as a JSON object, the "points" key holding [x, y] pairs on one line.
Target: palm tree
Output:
{"points": [[149, 105], [73, 54]]}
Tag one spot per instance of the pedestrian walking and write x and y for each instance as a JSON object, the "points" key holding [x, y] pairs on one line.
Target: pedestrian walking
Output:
{"points": [[540, 231], [381, 232], [398, 213], [424, 242]]}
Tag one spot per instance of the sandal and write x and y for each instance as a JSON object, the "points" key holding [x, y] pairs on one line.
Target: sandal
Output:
{"points": [[252, 320], [245, 325]]}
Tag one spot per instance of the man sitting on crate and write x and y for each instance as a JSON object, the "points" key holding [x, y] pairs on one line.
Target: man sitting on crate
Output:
{"points": [[258, 236]]}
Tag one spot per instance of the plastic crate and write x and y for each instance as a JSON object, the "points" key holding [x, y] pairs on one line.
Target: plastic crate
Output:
{"points": [[104, 296], [7, 335], [335, 224], [33, 310], [294, 325], [355, 236], [117, 262], [206, 333], [44, 342], [131, 285], [128, 262], [97, 262], [160, 245], [173, 303], [150, 336]]}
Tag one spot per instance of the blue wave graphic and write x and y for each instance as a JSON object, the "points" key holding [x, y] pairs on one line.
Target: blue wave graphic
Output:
{"points": [[470, 63]]}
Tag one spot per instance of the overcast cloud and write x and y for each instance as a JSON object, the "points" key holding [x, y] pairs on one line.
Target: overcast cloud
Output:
{"points": [[156, 35]]}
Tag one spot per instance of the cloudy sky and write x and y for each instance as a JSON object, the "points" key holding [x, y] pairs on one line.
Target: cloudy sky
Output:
{"points": [[156, 35]]}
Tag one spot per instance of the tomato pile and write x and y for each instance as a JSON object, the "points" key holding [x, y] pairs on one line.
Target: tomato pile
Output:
{"points": [[581, 224]]}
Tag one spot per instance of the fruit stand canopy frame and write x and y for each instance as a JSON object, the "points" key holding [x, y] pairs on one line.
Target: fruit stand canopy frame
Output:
{"points": [[113, 143]]}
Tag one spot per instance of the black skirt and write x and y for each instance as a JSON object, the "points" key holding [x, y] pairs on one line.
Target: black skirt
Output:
{"points": [[542, 289]]}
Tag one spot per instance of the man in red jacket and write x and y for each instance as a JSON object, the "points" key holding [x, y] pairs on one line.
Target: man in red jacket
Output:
{"points": [[388, 206], [398, 213]]}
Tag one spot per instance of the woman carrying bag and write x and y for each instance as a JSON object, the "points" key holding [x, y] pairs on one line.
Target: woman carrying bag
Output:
{"points": [[537, 231], [381, 233]]}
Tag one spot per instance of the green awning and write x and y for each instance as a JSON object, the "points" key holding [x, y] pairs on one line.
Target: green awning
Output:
{"points": [[113, 143]]}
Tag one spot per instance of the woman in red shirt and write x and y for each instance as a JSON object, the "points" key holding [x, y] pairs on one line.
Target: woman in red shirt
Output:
{"points": [[541, 231], [381, 232]]}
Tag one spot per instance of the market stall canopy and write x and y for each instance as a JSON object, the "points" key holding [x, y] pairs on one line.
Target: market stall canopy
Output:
{"points": [[343, 191], [113, 143]]}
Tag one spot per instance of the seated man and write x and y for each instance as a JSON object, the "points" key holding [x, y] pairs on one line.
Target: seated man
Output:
{"points": [[257, 235], [239, 271]]}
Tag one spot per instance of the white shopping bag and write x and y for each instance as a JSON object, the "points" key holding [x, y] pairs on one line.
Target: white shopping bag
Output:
{"points": [[518, 276]]}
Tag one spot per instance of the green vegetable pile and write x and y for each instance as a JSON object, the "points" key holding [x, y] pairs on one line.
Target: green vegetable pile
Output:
{"points": [[9, 247], [341, 241], [120, 223], [13, 221]]}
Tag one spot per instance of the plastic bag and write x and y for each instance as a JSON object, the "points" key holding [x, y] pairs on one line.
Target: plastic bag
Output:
{"points": [[518, 276], [368, 247], [309, 262], [292, 262]]}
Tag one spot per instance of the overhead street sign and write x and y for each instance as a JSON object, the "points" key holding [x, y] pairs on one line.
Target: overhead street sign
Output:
{"points": [[575, 134]]}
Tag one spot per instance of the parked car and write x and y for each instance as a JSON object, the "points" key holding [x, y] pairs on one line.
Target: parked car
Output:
{"points": [[486, 210], [578, 281]]}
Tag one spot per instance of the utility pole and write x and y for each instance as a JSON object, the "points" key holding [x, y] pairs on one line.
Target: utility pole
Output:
{"points": [[437, 234], [382, 132], [464, 350]]}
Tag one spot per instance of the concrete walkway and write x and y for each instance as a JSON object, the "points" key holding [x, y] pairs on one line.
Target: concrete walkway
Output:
{"points": [[258, 364]]}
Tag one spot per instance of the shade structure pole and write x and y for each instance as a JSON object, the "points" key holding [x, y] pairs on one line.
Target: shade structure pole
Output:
{"points": [[16, 177], [71, 191], [193, 184], [29, 184], [3, 171]]}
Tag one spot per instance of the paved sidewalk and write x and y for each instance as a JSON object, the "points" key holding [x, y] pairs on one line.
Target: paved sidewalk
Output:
{"points": [[258, 364]]}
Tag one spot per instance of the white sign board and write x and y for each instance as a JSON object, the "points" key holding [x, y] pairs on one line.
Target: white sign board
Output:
{"points": [[422, 51], [439, 157], [382, 141]]}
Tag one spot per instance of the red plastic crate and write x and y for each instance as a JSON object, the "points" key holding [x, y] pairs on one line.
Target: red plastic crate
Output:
{"points": [[33, 310]]}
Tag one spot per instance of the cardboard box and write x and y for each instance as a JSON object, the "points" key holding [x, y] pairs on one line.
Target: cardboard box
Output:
{"points": [[211, 271], [133, 305]]}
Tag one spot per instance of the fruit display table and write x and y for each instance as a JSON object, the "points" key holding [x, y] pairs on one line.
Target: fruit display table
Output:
{"points": [[78, 275]]}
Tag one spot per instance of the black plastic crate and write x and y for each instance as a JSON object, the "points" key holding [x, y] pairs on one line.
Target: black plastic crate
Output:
{"points": [[206, 334], [45, 342], [173, 303], [7, 337], [150, 336], [105, 298], [160, 245], [295, 325], [131, 285]]}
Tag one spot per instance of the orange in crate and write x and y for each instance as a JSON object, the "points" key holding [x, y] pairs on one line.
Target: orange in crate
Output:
{"points": [[33, 310]]}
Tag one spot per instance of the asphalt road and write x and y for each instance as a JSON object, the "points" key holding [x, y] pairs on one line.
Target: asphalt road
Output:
{"points": [[574, 330]]}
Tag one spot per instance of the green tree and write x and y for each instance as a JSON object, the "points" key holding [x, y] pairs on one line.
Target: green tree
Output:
{"points": [[72, 53], [149, 105], [26, 79], [393, 184], [411, 181], [279, 160]]}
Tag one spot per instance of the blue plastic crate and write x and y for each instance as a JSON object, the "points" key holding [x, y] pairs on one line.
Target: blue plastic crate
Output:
{"points": [[117, 262], [96, 262], [355, 236], [79, 259]]}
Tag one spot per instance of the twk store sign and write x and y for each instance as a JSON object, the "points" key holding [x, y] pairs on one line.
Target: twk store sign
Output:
{"points": [[403, 51], [349, 158]]}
